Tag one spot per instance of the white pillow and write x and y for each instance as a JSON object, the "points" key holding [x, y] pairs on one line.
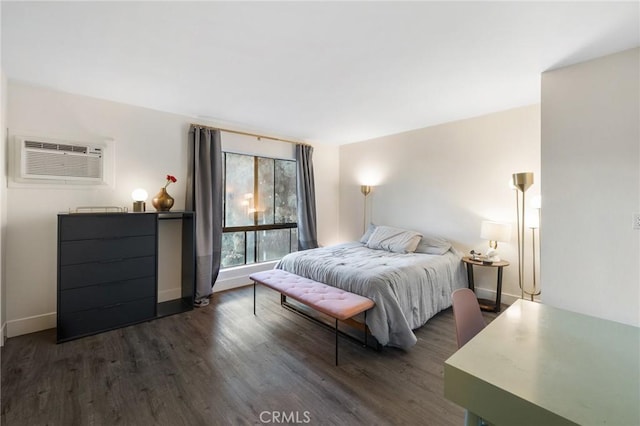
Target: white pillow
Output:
{"points": [[395, 240], [365, 237], [433, 245]]}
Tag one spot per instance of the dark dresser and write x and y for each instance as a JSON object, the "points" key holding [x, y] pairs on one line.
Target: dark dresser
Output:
{"points": [[107, 271]]}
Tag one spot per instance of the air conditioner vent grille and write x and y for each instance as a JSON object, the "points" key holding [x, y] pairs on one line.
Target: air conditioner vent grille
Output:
{"points": [[55, 146], [40, 163]]}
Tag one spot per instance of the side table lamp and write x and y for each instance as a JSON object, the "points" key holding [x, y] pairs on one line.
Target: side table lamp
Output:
{"points": [[494, 232]]}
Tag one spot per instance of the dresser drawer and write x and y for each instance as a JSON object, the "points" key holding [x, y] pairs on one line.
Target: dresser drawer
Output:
{"points": [[114, 225], [96, 296], [86, 274], [78, 324], [82, 251]]}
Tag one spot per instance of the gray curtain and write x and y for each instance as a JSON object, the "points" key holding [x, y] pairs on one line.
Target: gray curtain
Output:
{"points": [[307, 232], [204, 197]]}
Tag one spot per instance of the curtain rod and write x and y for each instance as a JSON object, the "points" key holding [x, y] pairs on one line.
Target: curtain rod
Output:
{"points": [[237, 132]]}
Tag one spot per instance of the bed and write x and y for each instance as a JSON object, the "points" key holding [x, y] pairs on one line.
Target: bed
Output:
{"points": [[408, 288]]}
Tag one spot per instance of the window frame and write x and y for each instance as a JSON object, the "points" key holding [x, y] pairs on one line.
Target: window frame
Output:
{"points": [[255, 227]]}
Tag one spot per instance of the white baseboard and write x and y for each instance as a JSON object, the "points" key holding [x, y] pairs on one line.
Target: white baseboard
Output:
{"points": [[227, 280], [36, 323], [228, 284], [236, 277], [239, 277], [171, 294], [32, 324]]}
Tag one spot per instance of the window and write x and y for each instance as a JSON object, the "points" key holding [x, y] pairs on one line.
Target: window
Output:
{"points": [[260, 209]]}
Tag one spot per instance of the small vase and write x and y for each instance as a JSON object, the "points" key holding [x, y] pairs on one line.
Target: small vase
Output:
{"points": [[162, 202]]}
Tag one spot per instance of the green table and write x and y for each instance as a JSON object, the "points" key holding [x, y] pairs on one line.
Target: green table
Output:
{"points": [[539, 365]]}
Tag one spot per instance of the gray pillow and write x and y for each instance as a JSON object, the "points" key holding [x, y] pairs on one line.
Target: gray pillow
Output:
{"points": [[365, 237], [433, 245], [395, 240]]}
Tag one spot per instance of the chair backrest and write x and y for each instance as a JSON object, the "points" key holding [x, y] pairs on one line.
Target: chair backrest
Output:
{"points": [[467, 315]]}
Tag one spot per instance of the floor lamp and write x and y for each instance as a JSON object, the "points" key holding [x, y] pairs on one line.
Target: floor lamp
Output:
{"points": [[535, 226], [533, 248], [521, 182], [365, 189]]}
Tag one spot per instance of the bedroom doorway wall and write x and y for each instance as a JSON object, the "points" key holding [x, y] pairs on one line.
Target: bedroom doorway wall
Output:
{"points": [[591, 161], [3, 203]]}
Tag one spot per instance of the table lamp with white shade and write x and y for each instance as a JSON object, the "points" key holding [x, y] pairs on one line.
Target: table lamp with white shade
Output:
{"points": [[494, 232], [139, 196]]}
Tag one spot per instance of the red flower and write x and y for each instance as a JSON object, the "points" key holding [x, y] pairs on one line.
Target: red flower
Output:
{"points": [[170, 179]]}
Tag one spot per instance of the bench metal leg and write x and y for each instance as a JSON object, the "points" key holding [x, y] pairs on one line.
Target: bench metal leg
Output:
{"points": [[289, 306], [365, 328], [336, 342]]}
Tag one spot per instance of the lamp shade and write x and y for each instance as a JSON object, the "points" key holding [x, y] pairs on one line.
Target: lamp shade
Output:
{"points": [[494, 231], [522, 181], [533, 220], [536, 202], [139, 195]]}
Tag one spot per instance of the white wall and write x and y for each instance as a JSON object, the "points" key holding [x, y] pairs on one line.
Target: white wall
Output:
{"points": [[445, 180], [3, 195], [3, 205], [591, 165], [326, 164], [149, 145]]}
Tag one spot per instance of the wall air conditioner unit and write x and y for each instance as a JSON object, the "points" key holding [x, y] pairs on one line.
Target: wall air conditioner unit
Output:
{"points": [[47, 161]]}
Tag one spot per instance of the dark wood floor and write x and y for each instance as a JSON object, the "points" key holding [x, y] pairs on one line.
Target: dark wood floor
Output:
{"points": [[220, 365]]}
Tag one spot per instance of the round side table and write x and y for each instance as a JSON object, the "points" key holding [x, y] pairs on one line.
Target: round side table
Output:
{"points": [[485, 304]]}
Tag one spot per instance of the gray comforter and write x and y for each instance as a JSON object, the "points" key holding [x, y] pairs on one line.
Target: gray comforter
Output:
{"points": [[408, 289]]}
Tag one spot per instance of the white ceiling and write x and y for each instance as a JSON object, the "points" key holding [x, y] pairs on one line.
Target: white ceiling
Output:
{"points": [[324, 72]]}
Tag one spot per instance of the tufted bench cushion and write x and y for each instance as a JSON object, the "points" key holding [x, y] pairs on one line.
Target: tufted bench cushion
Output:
{"points": [[338, 304], [329, 300]]}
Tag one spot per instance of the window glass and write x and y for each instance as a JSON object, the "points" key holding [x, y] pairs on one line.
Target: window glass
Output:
{"points": [[265, 190], [251, 245], [238, 200], [233, 249], [273, 244], [294, 239], [260, 209], [286, 202]]}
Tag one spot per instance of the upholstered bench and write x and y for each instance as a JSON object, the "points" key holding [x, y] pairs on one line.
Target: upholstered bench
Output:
{"points": [[338, 304]]}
